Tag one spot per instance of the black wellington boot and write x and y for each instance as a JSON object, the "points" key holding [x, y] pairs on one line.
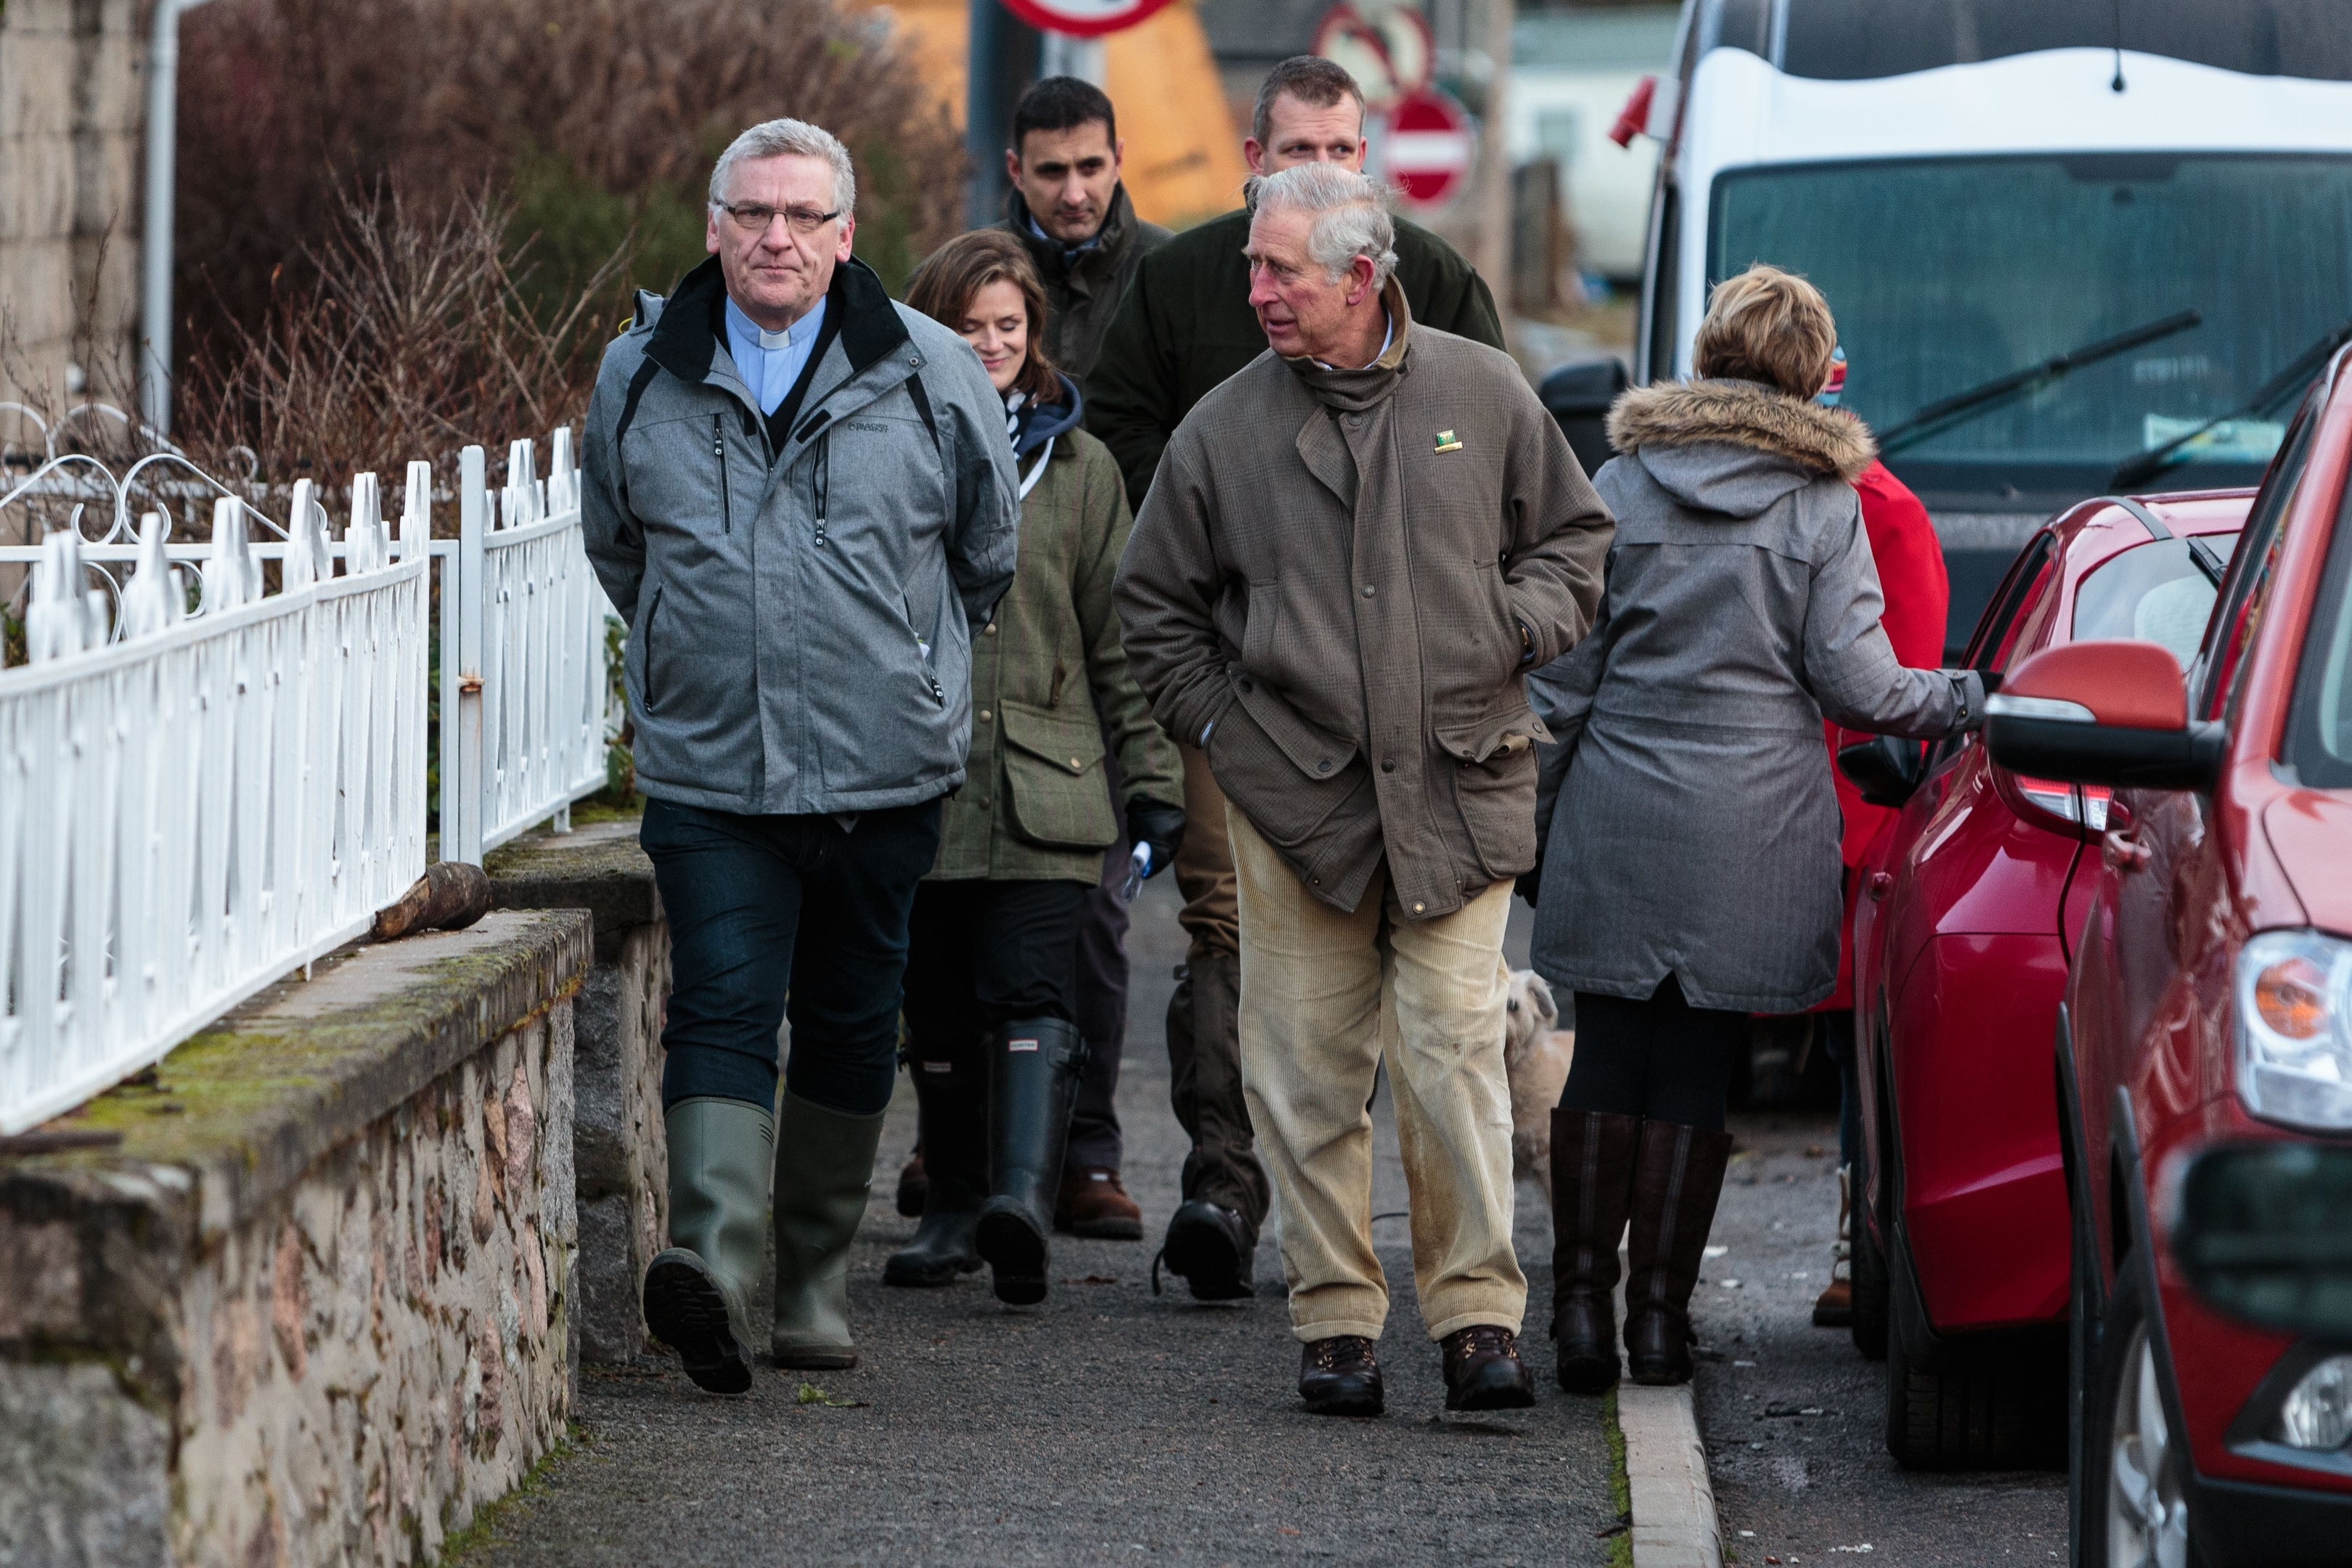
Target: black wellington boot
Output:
{"points": [[1033, 1086], [955, 1160], [1677, 1176], [1591, 1184]]}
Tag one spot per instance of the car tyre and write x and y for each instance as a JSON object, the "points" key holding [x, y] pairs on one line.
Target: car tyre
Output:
{"points": [[2128, 1490], [1973, 1419], [1867, 1266]]}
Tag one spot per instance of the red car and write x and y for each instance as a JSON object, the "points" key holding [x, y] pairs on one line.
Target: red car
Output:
{"points": [[2210, 1004], [1960, 1243]]}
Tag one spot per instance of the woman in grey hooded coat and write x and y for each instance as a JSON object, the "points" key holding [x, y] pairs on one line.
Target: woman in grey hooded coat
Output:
{"points": [[1690, 874]]}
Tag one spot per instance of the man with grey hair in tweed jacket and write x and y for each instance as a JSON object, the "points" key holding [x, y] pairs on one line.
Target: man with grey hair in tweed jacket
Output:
{"points": [[1351, 555]]}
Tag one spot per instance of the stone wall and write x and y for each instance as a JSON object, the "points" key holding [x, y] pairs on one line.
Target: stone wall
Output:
{"points": [[621, 1150], [306, 1294], [72, 116]]}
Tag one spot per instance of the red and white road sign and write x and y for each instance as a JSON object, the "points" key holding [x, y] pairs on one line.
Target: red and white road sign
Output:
{"points": [[1428, 147], [1082, 18]]}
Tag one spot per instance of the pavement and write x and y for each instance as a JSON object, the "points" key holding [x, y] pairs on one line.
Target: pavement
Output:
{"points": [[1794, 1418], [1106, 1425]]}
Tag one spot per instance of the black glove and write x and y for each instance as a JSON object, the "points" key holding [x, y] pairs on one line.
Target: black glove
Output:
{"points": [[1157, 824]]}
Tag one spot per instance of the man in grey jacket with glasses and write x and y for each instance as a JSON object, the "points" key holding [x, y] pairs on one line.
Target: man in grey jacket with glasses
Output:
{"points": [[800, 497]]}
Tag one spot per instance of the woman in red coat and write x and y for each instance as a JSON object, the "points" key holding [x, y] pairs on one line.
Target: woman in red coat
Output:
{"points": [[1918, 601]]}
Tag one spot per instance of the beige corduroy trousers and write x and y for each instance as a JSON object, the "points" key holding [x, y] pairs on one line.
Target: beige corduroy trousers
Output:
{"points": [[1325, 996]]}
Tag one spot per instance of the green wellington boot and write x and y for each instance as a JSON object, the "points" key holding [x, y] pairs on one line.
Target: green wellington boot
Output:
{"points": [[955, 1160], [695, 1292], [1033, 1086], [825, 1169]]}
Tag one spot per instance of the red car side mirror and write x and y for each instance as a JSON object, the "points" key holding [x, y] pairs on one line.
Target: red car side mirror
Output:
{"points": [[2103, 712]]}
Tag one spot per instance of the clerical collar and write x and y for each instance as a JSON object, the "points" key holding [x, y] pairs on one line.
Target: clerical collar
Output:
{"points": [[800, 331]]}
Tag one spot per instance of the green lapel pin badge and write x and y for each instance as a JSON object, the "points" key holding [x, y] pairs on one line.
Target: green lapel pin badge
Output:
{"points": [[1446, 442]]}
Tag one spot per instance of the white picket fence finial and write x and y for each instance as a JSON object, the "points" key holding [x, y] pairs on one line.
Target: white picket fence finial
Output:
{"points": [[416, 510], [154, 600], [231, 576], [63, 614], [363, 537]]}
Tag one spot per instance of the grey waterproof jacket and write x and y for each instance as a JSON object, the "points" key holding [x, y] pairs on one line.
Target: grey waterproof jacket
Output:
{"points": [[800, 622], [1694, 832]]}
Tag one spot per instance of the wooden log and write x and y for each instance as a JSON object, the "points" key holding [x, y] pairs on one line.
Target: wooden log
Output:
{"points": [[451, 896]]}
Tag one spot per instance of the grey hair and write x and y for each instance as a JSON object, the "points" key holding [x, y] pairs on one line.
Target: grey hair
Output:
{"points": [[1350, 216], [780, 138]]}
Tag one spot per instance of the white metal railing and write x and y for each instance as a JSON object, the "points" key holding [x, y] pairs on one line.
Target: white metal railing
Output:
{"points": [[191, 812], [195, 802], [524, 702]]}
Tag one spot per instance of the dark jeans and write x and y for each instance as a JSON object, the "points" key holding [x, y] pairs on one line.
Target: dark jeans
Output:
{"points": [[1837, 1034], [734, 890], [1662, 1060], [984, 954], [1095, 1142]]}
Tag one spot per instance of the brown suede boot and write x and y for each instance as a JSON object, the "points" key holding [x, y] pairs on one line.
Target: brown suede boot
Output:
{"points": [[1677, 1176], [1093, 1202], [1591, 1185]]}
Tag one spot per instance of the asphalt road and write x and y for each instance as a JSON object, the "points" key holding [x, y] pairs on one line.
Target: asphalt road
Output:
{"points": [[1106, 1426], [1794, 1418]]}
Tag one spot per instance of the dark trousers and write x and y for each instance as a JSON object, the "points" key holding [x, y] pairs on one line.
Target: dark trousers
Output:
{"points": [[984, 954], [734, 890], [1095, 1142], [1837, 1035], [1661, 1059]]}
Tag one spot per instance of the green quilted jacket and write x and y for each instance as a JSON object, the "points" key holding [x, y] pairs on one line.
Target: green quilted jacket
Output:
{"points": [[1036, 803]]}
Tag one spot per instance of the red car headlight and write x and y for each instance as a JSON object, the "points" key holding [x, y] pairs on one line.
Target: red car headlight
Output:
{"points": [[2295, 1029]]}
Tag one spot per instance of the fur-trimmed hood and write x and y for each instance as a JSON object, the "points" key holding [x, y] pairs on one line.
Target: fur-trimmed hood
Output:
{"points": [[1735, 446]]}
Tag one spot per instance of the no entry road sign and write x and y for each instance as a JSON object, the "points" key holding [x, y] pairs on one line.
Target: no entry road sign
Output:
{"points": [[1429, 147], [1082, 18]]}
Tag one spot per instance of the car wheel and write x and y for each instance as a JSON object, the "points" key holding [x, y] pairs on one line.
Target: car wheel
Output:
{"points": [[1973, 1419], [1867, 1266], [2129, 1497]]}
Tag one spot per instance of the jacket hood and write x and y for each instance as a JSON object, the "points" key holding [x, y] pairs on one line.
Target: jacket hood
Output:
{"points": [[1735, 446], [1046, 420], [686, 333]]}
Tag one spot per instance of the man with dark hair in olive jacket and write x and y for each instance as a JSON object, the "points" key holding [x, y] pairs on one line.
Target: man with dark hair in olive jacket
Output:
{"points": [[1184, 326]]}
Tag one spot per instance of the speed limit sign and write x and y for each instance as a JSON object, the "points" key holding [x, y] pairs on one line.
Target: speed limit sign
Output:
{"points": [[1082, 18]]}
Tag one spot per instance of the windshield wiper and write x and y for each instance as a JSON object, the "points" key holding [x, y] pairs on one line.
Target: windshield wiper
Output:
{"points": [[1932, 420], [2207, 561], [2305, 365]]}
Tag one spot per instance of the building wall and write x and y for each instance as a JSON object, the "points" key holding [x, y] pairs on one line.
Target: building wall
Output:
{"points": [[72, 112]]}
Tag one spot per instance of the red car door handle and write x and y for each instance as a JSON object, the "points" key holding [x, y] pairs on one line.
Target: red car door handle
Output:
{"points": [[2123, 854]]}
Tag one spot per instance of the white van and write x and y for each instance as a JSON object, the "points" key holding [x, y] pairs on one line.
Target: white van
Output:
{"points": [[2073, 246]]}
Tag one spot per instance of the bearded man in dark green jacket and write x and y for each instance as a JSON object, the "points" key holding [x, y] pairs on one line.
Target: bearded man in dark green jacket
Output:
{"points": [[1184, 326]]}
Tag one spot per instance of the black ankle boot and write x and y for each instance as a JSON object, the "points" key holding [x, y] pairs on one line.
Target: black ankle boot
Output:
{"points": [[1677, 1176], [1591, 1184], [955, 1162], [1033, 1086], [1210, 1246]]}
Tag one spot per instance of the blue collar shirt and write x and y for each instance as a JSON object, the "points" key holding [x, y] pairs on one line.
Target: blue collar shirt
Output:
{"points": [[770, 363]]}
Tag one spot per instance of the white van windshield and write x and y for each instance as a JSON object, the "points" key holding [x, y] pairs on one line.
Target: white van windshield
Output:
{"points": [[1948, 274]]}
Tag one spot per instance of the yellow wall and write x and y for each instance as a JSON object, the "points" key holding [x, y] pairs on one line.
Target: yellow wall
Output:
{"points": [[1183, 152]]}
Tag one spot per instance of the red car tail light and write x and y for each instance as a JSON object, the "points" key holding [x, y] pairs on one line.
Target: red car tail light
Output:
{"points": [[2074, 810]]}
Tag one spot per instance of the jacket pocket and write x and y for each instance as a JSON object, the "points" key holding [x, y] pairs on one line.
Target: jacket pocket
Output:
{"points": [[1052, 771], [652, 688], [1495, 785], [1286, 774]]}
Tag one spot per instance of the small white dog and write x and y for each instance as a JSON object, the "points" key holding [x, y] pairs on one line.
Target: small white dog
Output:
{"points": [[1534, 1057]]}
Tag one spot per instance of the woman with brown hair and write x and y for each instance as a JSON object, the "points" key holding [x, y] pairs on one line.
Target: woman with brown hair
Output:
{"points": [[1691, 876], [992, 1040]]}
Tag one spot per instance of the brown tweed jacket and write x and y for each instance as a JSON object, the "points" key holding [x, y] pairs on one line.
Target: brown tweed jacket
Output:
{"points": [[1331, 577]]}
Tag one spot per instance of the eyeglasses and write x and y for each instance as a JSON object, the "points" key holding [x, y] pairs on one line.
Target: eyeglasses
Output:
{"points": [[753, 218]]}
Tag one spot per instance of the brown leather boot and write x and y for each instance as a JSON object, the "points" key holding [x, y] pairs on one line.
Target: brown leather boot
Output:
{"points": [[1677, 1176], [1591, 1185], [913, 1183], [1093, 1202]]}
